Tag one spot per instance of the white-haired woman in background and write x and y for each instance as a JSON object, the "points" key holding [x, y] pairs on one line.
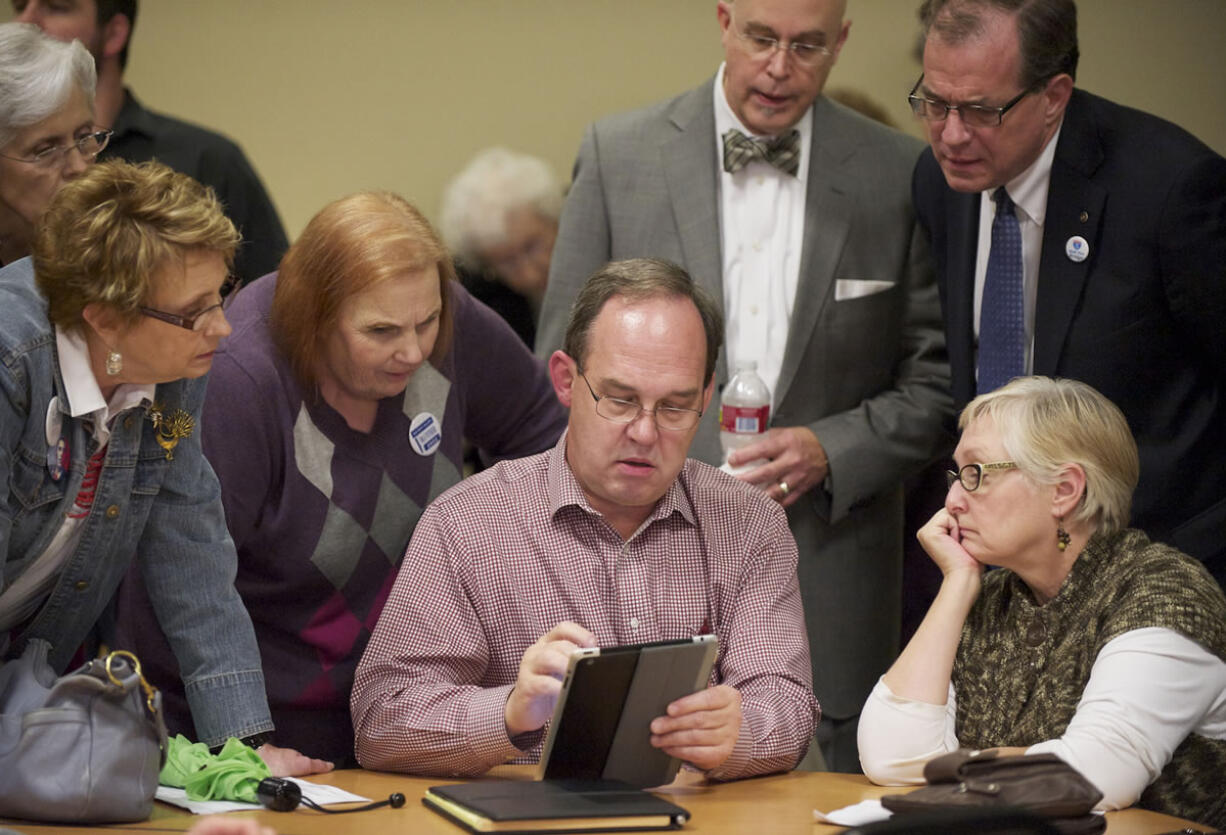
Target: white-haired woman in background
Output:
{"points": [[47, 131], [1090, 642], [500, 219]]}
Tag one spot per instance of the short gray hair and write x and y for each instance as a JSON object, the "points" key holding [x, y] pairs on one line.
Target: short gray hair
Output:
{"points": [[638, 279], [1047, 423], [495, 182], [37, 74]]}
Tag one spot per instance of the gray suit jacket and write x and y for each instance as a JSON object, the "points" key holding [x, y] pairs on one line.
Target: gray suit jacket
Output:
{"points": [[868, 375]]}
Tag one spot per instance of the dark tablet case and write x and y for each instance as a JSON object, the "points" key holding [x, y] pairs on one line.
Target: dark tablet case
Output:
{"points": [[601, 724]]}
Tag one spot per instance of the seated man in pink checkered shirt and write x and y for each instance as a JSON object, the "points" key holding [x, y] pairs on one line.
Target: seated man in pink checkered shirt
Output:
{"points": [[612, 537]]}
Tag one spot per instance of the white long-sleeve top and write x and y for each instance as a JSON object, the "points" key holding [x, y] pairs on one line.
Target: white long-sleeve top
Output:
{"points": [[1148, 690]]}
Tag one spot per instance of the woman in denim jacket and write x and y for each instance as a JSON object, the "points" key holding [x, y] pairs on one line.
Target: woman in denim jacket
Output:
{"points": [[106, 334]]}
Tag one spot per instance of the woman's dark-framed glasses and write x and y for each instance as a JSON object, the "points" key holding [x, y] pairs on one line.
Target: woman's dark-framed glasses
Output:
{"points": [[196, 321], [616, 410], [971, 475]]}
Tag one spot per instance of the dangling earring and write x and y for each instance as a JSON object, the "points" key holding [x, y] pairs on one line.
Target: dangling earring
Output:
{"points": [[114, 363], [1062, 537]]}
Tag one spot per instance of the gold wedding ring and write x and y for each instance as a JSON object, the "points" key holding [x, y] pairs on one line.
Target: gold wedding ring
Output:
{"points": [[783, 488]]}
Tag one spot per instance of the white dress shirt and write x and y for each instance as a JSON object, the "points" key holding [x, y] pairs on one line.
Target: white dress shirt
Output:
{"points": [[761, 223]]}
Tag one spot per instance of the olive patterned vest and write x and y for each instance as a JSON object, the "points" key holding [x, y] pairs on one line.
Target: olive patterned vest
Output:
{"points": [[1021, 668]]}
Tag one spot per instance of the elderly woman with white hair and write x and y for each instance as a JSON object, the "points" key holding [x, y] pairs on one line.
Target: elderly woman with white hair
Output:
{"points": [[47, 132], [500, 218], [1090, 642]]}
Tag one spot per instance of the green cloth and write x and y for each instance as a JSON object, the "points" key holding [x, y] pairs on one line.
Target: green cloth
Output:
{"points": [[231, 774]]}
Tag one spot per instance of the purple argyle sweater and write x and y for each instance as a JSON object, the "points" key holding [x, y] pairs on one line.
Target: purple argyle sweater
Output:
{"points": [[321, 514]]}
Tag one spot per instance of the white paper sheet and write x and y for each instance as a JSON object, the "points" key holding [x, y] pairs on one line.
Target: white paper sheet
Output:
{"points": [[323, 795], [866, 811]]}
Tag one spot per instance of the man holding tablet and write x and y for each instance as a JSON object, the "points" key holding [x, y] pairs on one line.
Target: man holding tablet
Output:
{"points": [[613, 537]]}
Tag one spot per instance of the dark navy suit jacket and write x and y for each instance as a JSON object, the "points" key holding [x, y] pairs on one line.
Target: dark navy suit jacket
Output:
{"points": [[1142, 319]]}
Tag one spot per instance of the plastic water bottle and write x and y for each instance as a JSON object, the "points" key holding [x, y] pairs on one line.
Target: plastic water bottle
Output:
{"points": [[744, 413]]}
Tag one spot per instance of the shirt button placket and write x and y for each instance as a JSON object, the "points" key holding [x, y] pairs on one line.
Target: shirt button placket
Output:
{"points": [[629, 573]]}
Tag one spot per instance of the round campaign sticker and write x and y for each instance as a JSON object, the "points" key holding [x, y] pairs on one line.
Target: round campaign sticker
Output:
{"points": [[1077, 249], [424, 434]]}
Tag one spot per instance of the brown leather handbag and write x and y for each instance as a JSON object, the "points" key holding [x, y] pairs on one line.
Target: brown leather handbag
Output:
{"points": [[1042, 784]]}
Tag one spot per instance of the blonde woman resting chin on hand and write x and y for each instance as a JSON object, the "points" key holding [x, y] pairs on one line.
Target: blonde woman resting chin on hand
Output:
{"points": [[1090, 641]]}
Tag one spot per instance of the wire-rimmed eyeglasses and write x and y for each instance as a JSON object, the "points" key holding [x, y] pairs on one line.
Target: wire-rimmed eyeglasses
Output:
{"points": [[672, 418], [761, 45], [89, 146]]}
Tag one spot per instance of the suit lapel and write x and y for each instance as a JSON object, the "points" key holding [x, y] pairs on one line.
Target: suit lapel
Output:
{"points": [[1074, 208], [690, 164], [827, 209], [962, 219]]}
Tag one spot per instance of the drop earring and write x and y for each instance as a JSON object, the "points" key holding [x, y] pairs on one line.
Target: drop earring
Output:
{"points": [[1062, 537], [114, 363]]}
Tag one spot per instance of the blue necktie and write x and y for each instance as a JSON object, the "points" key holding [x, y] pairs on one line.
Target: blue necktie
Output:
{"points": [[1002, 316]]}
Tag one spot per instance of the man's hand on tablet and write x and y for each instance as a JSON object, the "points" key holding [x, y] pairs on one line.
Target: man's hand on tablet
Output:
{"points": [[541, 671], [701, 728]]}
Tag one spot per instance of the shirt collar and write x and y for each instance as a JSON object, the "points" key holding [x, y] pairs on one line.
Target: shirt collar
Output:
{"points": [[563, 490], [725, 120], [1028, 190], [81, 388]]}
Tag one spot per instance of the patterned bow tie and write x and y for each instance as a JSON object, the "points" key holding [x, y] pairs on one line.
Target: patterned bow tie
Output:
{"points": [[782, 151]]}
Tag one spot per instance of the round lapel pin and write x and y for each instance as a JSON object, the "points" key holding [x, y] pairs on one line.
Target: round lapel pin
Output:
{"points": [[1077, 249]]}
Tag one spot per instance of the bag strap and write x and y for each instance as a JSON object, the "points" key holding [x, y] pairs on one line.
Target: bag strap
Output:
{"points": [[153, 696], [116, 655]]}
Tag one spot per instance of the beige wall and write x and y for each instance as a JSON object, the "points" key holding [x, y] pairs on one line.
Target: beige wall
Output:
{"points": [[331, 97]]}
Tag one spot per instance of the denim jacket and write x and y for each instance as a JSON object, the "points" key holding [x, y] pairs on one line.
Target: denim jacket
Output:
{"points": [[164, 513]]}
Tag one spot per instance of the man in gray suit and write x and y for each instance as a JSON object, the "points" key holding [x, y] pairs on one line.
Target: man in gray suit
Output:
{"points": [[802, 226]]}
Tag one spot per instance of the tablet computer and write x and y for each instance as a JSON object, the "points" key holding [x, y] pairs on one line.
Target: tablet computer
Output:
{"points": [[601, 725]]}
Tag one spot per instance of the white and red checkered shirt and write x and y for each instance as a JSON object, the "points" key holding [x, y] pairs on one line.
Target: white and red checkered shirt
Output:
{"points": [[500, 559]]}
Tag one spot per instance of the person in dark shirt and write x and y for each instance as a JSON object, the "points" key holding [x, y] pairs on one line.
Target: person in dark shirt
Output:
{"points": [[140, 135]]}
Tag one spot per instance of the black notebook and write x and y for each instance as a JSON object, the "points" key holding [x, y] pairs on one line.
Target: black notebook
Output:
{"points": [[553, 806]]}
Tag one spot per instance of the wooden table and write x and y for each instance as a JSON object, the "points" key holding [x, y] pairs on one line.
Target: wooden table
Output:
{"points": [[778, 805]]}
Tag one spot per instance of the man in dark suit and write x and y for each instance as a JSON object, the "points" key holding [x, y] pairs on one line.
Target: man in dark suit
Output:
{"points": [[1122, 221], [825, 281]]}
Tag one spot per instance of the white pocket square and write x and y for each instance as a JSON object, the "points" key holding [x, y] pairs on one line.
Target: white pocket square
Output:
{"points": [[854, 288]]}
